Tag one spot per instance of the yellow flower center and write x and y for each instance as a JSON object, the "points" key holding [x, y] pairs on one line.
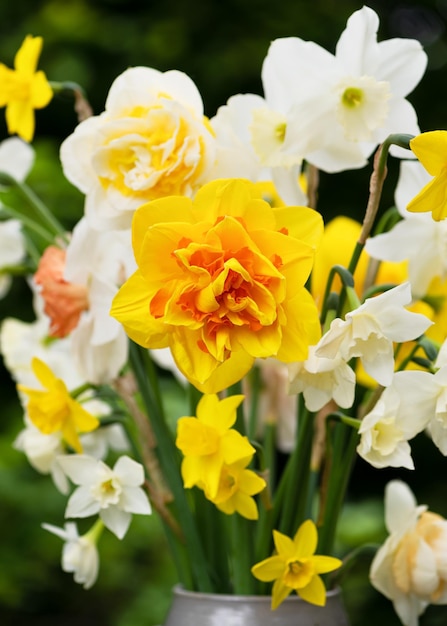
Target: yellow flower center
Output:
{"points": [[362, 106], [298, 573], [352, 97], [159, 151], [107, 492]]}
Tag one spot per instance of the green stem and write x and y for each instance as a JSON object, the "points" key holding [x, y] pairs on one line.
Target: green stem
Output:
{"points": [[242, 555], [170, 464], [294, 495], [255, 389], [36, 203], [29, 223], [341, 461], [213, 531]]}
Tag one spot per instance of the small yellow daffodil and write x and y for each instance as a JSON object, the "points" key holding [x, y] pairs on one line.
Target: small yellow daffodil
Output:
{"points": [[237, 486], [208, 442], [24, 89], [431, 150], [295, 566], [53, 409]]}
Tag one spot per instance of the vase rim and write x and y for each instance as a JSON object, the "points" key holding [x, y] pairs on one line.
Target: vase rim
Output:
{"points": [[180, 591]]}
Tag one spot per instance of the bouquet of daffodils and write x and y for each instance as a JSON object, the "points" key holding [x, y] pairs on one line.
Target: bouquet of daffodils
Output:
{"points": [[201, 317]]}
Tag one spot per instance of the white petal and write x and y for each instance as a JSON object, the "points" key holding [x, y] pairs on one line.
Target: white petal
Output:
{"points": [[424, 575], [400, 506], [408, 608], [357, 47], [292, 63], [402, 63], [116, 520], [80, 468], [129, 471], [134, 500], [82, 504], [380, 365], [16, 158]]}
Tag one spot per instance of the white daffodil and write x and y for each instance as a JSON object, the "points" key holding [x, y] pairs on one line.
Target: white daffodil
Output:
{"points": [[151, 141], [410, 568], [368, 332], [12, 251], [403, 410], [418, 238], [322, 379], [79, 554], [345, 104], [253, 141], [114, 494]]}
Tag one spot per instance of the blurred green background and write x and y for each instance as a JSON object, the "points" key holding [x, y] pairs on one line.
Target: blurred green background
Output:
{"points": [[221, 45]]}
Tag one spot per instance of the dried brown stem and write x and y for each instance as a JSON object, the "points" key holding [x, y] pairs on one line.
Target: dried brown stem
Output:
{"points": [[155, 484]]}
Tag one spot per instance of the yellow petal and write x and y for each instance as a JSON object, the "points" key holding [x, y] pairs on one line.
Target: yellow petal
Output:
{"points": [[251, 483], [235, 447], [280, 592], [283, 544], [41, 92], [305, 540], [314, 592], [324, 564], [84, 421], [224, 197], [302, 329], [268, 569], [245, 505], [43, 373], [161, 211], [301, 223], [431, 150], [433, 197], [131, 307], [27, 56], [219, 413], [20, 119]]}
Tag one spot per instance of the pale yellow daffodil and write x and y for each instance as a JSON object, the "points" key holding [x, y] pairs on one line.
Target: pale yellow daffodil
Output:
{"points": [[431, 150], [295, 566], [52, 409], [23, 89]]}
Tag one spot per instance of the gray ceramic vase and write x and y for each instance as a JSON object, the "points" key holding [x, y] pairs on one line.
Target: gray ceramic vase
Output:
{"points": [[206, 609]]}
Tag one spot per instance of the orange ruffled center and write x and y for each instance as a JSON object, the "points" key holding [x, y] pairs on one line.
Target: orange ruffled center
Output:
{"points": [[221, 290]]}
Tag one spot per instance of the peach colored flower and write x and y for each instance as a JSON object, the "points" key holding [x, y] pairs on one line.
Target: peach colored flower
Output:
{"points": [[64, 301]]}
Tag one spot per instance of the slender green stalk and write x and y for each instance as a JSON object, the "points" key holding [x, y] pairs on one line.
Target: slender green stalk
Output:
{"points": [[214, 533], [170, 464], [291, 499], [29, 223], [255, 389], [41, 209], [242, 555], [341, 460]]}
